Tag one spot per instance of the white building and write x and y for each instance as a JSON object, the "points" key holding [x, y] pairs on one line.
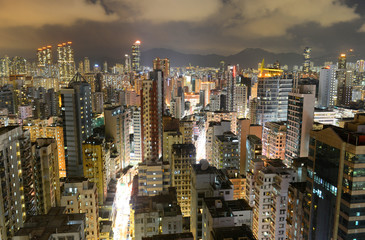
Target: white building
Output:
{"points": [[327, 92]]}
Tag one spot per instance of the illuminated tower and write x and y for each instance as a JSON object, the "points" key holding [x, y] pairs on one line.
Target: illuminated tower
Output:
{"points": [[344, 85], [307, 59], [44, 55], [66, 63], [151, 112], [136, 56], [231, 88]]}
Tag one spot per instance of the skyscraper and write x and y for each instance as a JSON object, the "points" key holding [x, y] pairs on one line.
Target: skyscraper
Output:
{"points": [[136, 57], [151, 112], [344, 78], [307, 59], [44, 56], [76, 114], [66, 63], [232, 72], [272, 96], [327, 93], [300, 122]]}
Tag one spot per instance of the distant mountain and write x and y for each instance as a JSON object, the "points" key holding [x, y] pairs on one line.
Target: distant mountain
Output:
{"points": [[248, 58]]}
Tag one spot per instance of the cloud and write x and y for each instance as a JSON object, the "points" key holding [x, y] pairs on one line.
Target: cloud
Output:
{"points": [[362, 28], [267, 18], [38, 13], [162, 11]]}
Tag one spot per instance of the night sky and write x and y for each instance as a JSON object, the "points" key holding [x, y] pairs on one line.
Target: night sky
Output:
{"points": [[107, 28]]}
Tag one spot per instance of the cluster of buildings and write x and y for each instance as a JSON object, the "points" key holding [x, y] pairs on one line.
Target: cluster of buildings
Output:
{"points": [[132, 152]]}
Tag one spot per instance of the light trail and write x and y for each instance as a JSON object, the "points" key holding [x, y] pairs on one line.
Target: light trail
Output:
{"points": [[122, 198]]}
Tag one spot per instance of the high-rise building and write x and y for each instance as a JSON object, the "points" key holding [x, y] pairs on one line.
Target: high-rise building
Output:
{"points": [[136, 152], [300, 122], [225, 151], [241, 98], [153, 178], [244, 129], [206, 181], [214, 129], [273, 140], [163, 65], [136, 57], [327, 92], [46, 174], [345, 81], [270, 202], [77, 124], [232, 72], [96, 157], [151, 112], [12, 210], [49, 129], [334, 207], [44, 56], [86, 65], [66, 62], [307, 59], [183, 155], [117, 123], [81, 196], [272, 96]]}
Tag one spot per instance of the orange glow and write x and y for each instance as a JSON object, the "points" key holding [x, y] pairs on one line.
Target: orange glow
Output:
{"points": [[44, 47], [343, 55], [49, 46], [60, 45], [351, 50], [39, 49], [69, 42], [137, 42]]}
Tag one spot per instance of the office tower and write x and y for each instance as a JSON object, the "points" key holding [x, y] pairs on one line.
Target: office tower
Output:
{"points": [[117, 123], [241, 98], [66, 62], [271, 183], [334, 208], [49, 129], [12, 210], [155, 215], [151, 112], [232, 72], [214, 129], [86, 65], [273, 140], [183, 155], [76, 114], [81, 196], [225, 151], [307, 59], [136, 57], [55, 224], [46, 175], [136, 154], [153, 178], [105, 67], [96, 163], [272, 96], [44, 56], [344, 85], [127, 63], [327, 93], [206, 181], [300, 122], [219, 213]]}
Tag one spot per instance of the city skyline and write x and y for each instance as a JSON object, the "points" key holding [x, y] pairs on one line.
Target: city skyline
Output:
{"points": [[106, 28]]}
